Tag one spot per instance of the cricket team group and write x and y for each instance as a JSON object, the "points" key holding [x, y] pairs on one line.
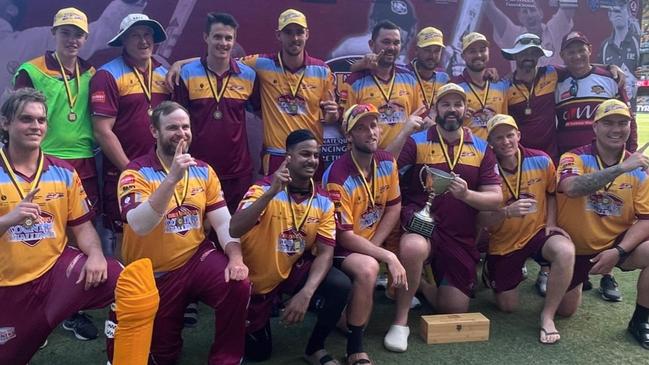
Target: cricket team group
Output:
{"points": [[178, 198]]}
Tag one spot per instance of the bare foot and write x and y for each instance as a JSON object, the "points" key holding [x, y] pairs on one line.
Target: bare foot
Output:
{"points": [[549, 334]]}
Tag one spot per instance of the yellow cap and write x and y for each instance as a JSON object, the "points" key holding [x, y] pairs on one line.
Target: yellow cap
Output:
{"points": [[449, 88], [471, 38], [612, 107], [355, 113], [291, 16], [71, 16], [430, 36], [500, 119]]}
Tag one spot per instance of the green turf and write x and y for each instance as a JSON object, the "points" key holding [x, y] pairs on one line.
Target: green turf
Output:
{"points": [[595, 335]]}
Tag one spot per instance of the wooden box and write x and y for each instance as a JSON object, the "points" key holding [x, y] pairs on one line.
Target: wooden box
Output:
{"points": [[447, 328]]}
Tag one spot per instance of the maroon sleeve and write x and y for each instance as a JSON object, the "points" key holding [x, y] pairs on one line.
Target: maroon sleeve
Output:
{"points": [[408, 156], [104, 95], [181, 94], [488, 174], [23, 80]]}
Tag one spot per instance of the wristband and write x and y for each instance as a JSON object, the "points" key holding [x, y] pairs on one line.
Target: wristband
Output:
{"points": [[620, 251]]}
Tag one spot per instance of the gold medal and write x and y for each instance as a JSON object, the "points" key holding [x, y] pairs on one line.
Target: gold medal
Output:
{"points": [[180, 221], [216, 93], [292, 107], [72, 99], [148, 87], [526, 93], [28, 222], [528, 111], [217, 114], [149, 112]]}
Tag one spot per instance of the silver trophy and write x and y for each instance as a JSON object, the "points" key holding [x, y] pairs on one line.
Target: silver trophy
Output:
{"points": [[435, 182]]}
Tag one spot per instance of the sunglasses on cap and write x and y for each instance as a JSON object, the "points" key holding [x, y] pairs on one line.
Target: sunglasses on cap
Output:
{"points": [[526, 41]]}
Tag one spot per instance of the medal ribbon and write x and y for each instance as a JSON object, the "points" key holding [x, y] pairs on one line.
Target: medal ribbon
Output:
{"points": [[218, 94], [179, 201], [429, 102], [299, 82], [528, 97], [600, 165], [387, 95], [72, 99], [456, 158], [148, 90], [370, 193], [483, 103], [298, 227], [519, 166], [14, 179]]}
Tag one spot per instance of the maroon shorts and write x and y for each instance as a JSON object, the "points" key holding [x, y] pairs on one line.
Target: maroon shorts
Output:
{"points": [[110, 203], [234, 189], [201, 278], [32, 310], [261, 305], [454, 264], [87, 171], [583, 265], [503, 272], [270, 163]]}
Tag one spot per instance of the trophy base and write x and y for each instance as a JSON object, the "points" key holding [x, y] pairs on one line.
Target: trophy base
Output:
{"points": [[421, 226]]}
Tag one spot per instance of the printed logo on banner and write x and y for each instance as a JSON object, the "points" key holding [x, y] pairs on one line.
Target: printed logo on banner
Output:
{"points": [[399, 7]]}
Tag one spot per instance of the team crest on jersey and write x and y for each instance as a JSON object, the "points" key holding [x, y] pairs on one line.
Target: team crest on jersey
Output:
{"points": [[480, 118], [7, 334], [31, 232], [392, 114], [605, 204], [291, 242], [181, 220], [596, 89], [292, 105]]}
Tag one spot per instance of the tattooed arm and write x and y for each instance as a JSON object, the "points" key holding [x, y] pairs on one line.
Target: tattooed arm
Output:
{"points": [[576, 186]]}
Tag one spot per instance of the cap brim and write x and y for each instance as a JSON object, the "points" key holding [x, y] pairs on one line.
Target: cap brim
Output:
{"points": [[428, 44], [509, 53], [457, 92], [359, 117], [297, 23], [573, 41], [159, 34], [476, 41], [619, 114]]}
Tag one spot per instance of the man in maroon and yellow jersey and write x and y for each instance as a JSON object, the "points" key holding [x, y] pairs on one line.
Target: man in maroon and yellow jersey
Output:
{"points": [[42, 280], [215, 90], [165, 196], [123, 93], [364, 186], [603, 201], [451, 248], [296, 90], [525, 225], [288, 233]]}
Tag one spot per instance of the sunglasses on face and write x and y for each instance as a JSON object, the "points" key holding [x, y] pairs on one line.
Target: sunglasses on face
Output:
{"points": [[574, 87], [526, 41]]}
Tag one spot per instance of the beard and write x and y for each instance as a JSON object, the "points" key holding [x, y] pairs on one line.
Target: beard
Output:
{"points": [[449, 125], [363, 148]]}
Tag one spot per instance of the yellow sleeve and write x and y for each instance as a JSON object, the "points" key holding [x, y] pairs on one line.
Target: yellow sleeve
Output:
{"points": [[569, 165], [250, 61], [342, 206], [327, 227], [79, 204], [251, 196], [551, 177], [641, 197], [132, 189], [213, 193]]}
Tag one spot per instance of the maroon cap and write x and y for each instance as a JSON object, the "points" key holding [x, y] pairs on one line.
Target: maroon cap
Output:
{"points": [[572, 37]]}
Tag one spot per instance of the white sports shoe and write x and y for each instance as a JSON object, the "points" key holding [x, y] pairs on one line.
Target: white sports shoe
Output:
{"points": [[396, 340]]}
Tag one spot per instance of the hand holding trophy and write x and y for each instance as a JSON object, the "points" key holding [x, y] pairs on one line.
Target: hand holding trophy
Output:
{"points": [[435, 182]]}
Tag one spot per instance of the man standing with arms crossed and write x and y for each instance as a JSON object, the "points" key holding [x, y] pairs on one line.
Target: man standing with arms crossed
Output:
{"points": [[165, 196], [293, 254], [451, 248], [215, 90], [525, 225], [603, 200], [364, 186], [123, 94]]}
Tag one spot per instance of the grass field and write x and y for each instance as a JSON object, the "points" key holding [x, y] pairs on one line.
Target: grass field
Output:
{"points": [[595, 335]]}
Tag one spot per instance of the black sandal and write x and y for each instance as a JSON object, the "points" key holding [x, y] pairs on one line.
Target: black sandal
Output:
{"points": [[640, 331]]}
